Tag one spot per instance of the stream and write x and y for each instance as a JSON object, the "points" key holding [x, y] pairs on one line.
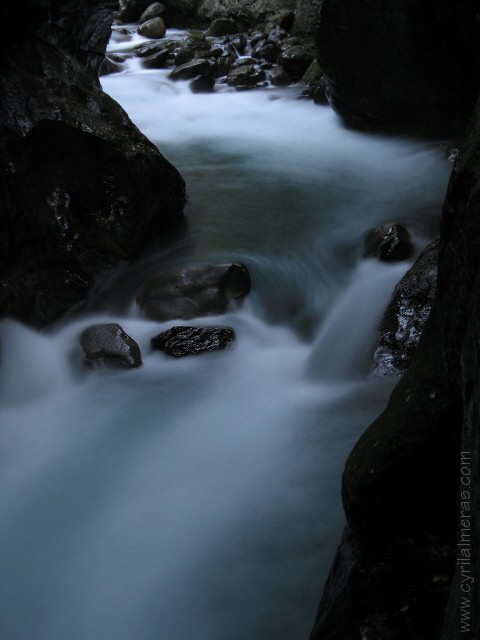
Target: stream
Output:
{"points": [[199, 498]]}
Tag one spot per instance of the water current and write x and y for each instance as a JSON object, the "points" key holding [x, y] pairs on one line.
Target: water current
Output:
{"points": [[200, 498]]}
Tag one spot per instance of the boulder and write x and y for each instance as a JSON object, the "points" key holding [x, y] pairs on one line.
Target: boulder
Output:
{"points": [[307, 17], [408, 63], [279, 77], [107, 346], [388, 243], [82, 188], [202, 84], [154, 10], [222, 27], [109, 66], [131, 10], [247, 75], [193, 291], [148, 49], [157, 60], [266, 51], [189, 341], [191, 69], [406, 315], [295, 60], [154, 28], [247, 13]]}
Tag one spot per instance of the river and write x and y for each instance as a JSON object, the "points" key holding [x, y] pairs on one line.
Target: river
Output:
{"points": [[200, 498]]}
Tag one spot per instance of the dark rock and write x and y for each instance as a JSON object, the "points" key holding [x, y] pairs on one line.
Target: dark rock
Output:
{"points": [[284, 19], [241, 62], [276, 34], [158, 60], [312, 75], [109, 66], [222, 27], [107, 346], [154, 10], [246, 13], [388, 243], [256, 37], [269, 52], [193, 291], [202, 84], [279, 77], [247, 75], [406, 315], [320, 92], [182, 56], [296, 59], [148, 49], [307, 17], [189, 341], [239, 41], [82, 188], [131, 10], [411, 63], [191, 70], [154, 28]]}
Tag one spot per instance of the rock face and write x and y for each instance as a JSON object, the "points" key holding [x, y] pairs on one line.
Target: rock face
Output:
{"points": [[189, 341], [307, 16], [411, 486], [249, 13], [81, 187], [411, 62], [107, 346], [193, 291], [406, 315]]}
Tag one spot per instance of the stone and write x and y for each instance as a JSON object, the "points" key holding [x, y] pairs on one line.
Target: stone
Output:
{"points": [[109, 66], [131, 10], [193, 291], [187, 341], [148, 49], [284, 19], [202, 84], [388, 243], [406, 315], [157, 60], [154, 28], [312, 75], [239, 41], [222, 27], [279, 77], [296, 59], [107, 346], [190, 70], [268, 51], [247, 75], [154, 10], [320, 92]]}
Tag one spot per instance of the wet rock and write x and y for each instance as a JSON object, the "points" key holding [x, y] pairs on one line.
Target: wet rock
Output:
{"points": [[148, 49], [284, 19], [222, 27], [158, 60], [188, 341], [189, 292], [267, 51], [279, 77], [320, 93], [296, 59], [247, 75], [276, 34], [388, 243], [182, 56], [107, 346], [239, 41], [202, 84], [191, 70], [312, 75], [406, 316], [256, 37], [307, 17], [154, 28], [109, 66], [154, 10]]}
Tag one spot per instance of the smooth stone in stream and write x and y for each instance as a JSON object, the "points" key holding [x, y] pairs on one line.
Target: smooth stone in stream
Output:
{"points": [[190, 70], [388, 243], [202, 84], [222, 27], [188, 341], [247, 75], [193, 291], [148, 49], [154, 28], [296, 59], [107, 346], [157, 60]]}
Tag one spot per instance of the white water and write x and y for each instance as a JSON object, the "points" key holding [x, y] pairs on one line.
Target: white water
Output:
{"points": [[199, 498]]}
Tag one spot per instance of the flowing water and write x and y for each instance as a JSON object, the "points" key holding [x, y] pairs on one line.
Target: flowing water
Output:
{"points": [[199, 498]]}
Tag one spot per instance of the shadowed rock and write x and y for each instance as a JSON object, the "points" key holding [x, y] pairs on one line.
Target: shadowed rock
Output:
{"points": [[388, 243], [187, 341], [107, 346], [189, 292]]}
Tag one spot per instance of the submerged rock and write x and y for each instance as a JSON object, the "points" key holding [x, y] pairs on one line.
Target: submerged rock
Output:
{"points": [[388, 243], [189, 292], [107, 346], [187, 341], [406, 315]]}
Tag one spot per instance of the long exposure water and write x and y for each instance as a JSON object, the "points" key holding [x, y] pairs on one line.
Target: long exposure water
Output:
{"points": [[200, 498]]}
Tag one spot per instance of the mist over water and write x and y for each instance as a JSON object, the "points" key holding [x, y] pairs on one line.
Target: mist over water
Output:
{"points": [[199, 498]]}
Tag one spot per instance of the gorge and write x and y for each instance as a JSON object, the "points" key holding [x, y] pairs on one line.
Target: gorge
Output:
{"points": [[201, 497]]}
